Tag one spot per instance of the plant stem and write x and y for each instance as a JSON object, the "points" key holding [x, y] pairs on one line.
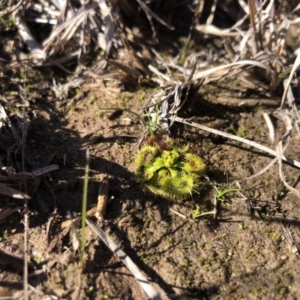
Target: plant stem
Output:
{"points": [[84, 208]]}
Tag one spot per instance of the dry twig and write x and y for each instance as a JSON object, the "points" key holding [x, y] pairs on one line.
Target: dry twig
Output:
{"points": [[239, 139], [132, 267]]}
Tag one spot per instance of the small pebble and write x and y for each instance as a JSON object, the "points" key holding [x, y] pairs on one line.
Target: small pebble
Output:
{"points": [[126, 122], [283, 257]]}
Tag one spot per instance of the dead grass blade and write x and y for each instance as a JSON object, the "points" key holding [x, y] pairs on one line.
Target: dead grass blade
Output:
{"points": [[296, 8], [280, 148], [213, 30], [74, 27], [212, 13], [264, 170], [291, 242], [244, 6], [26, 250], [285, 140], [270, 127], [150, 14], [239, 139], [278, 48], [5, 119], [61, 90], [159, 74], [279, 152], [133, 72], [11, 10], [3, 116], [8, 191], [252, 17], [245, 63], [37, 52], [294, 68], [45, 170], [74, 237], [243, 44], [177, 213], [65, 31], [132, 267]]}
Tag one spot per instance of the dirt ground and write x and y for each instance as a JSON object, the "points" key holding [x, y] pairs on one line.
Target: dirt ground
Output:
{"points": [[246, 249], [243, 253]]}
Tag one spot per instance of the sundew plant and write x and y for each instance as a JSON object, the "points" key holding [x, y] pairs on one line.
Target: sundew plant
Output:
{"points": [[167, 170]]}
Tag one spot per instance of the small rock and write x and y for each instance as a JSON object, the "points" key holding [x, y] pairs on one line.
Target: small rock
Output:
{"points": [[283, 257]]}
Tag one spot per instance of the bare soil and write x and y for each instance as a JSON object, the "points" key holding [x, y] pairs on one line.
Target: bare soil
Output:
{"points": [[243, 253]]}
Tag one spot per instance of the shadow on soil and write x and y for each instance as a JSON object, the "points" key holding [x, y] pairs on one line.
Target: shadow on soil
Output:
{"points": [[50, 142]]}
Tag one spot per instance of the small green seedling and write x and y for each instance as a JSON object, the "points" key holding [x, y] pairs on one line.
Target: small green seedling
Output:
{"points": [[196, 213], [9, 22], [220, 194], [84, 208], [240, 132]]}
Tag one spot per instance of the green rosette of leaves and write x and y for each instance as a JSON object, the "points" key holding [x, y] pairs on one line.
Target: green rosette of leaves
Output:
{"points": [[172, 174]]}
